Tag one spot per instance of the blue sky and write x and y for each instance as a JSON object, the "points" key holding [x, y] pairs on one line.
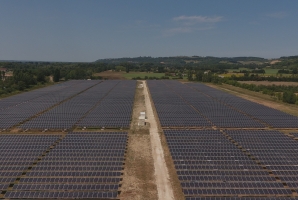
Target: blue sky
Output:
{"points": [[70, 30]]}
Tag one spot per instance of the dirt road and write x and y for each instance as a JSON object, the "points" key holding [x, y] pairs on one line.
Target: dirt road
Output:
{"points": [[164, 187], [138, 175]]}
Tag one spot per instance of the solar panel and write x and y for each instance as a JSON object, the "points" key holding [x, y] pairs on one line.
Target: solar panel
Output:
{"points": [[207, 163], [270, 116], [20, 107], [82, 165]]}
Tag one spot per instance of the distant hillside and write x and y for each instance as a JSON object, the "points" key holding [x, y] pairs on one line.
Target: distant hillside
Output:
{"points": [[187, 59], [290, 61]]}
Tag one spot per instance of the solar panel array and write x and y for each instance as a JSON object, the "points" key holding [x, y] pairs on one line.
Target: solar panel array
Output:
{"points": [[82, 165], [172, 109], [274, 150], [18, 153], [28, 96], [115, 110], [273, 117], [108, 104], [20, 107], [69, 112], [179, 105], [217, 112], [208, 164]]}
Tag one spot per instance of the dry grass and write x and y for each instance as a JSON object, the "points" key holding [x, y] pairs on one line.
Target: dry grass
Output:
{"points": [[270, 83], [274, 61], [138, 179]]}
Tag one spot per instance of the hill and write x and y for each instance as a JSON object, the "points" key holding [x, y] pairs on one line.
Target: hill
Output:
{"points": [[187, 60]]}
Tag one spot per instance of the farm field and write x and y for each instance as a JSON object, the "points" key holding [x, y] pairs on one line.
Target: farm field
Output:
{"points": [[130, 75], [82, 140]]}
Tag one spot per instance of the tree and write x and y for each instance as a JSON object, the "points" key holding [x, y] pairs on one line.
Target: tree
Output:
{"points": [[21, 85], [199, 75], [56, 75], [189, 75], [279, 96], [160, 69], [289, 97], [3, 75], [127, 69], [41, 76]]}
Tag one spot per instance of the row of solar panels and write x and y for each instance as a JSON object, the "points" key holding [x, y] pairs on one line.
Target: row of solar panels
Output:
{"points": [[47, 179], [36, 95], [228, 171], [81, 103], [197, 105], [25, 107], [272, 117], [256, 141]]}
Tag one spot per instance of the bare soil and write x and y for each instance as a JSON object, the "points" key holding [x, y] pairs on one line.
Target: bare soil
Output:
{"points": [[270, 83], [111, 75], [138, 179], [274, 61], [163, 182]]}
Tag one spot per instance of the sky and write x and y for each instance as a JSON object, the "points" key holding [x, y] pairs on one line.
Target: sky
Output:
{"points": [[87, 30]]}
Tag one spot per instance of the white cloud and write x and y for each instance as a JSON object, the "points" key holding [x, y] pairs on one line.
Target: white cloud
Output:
{"points": [[278, 15], [198, 19]]}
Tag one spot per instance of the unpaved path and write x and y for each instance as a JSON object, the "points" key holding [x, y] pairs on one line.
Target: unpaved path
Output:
{"points": [[138, 175], [164, 187]]}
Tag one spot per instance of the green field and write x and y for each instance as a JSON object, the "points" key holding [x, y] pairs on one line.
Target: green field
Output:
{"points": [[131, 75], [271, 71], [237, 70]]}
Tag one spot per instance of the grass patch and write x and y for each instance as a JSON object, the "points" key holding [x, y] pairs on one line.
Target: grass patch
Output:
{"points": [[271, 71], [237, 70], [131, 75]]}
